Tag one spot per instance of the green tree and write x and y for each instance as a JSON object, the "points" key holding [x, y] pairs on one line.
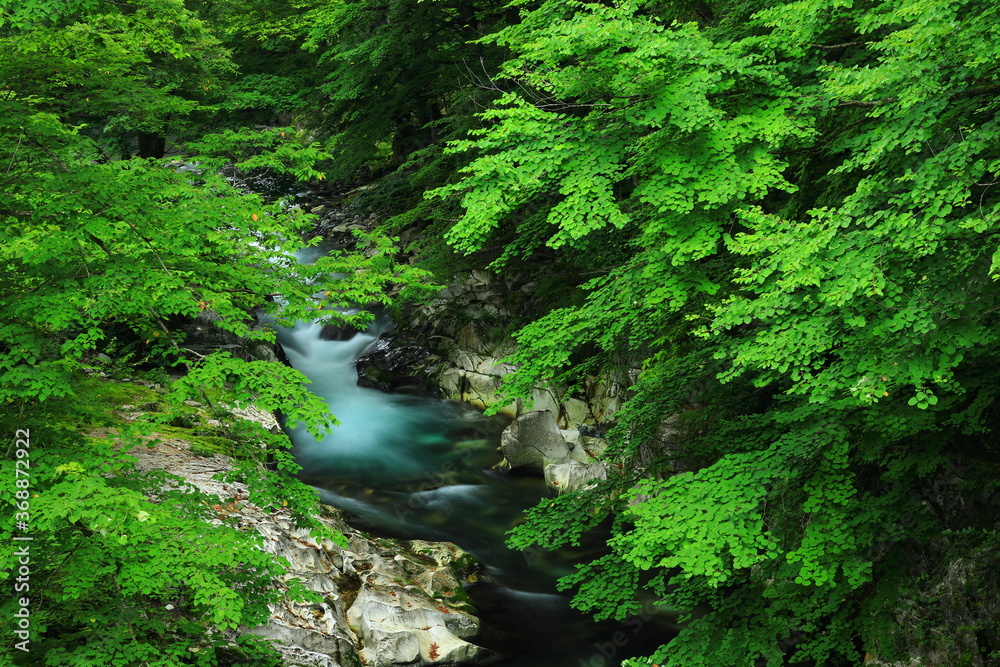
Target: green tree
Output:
{"points": [[382, 86], [92, 248], [279, 82], [396, 72], [131, 75], [807, 195]]}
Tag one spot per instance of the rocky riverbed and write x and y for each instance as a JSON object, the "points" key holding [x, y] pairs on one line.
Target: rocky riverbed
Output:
{"points": [[385, 602]]}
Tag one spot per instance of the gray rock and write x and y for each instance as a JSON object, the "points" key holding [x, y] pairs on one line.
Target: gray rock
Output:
{"points": [[404, 626], [296, 656], [411, 608], [572, 436], [576, 411], [573, 476], [449, 381], [385, 602], [468, 360], [483, 390], [534, 440], [312, 647]]}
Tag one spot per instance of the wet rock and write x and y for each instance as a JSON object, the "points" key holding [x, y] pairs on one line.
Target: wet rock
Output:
{"points": [[473, 387], [393, 364]]}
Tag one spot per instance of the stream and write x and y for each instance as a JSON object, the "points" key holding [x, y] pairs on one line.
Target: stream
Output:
{"points": [[418, 468]]}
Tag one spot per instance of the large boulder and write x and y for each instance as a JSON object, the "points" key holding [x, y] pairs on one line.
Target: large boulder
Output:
{"points": [[573, 476], [402, 625], [467, 331], [387, 602], [534, 440], [384, 602], [411, 609]]}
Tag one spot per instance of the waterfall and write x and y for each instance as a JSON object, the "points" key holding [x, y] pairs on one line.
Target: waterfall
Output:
{"points": [[379, 437]]}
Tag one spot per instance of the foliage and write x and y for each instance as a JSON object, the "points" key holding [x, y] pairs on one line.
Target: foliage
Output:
{"points": [[139, 70], [780, 217], [94, 249], [278, 82], [805, 197], [398, 73], [126, 567]]}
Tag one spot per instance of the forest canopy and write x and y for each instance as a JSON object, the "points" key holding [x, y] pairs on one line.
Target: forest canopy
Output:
{"points": [[781, 217]]}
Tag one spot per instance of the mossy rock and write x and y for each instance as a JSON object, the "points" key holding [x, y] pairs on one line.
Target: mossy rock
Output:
{"points": [[209, 446], [184, 418], [215, 431], [458, 598], [95, 402], [116, 393]]}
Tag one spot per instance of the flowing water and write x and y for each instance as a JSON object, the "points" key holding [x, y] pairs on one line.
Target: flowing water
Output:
{"points": [[419, 468]]}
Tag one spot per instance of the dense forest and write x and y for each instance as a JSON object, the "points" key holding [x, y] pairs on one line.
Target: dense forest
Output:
{"points": [[778, 218]]}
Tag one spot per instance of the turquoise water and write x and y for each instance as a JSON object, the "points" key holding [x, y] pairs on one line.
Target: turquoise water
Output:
{"points": [[419, 468]]}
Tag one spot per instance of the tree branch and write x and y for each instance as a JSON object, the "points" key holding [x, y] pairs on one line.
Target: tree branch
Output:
{"points": [[100, 244], [837, 46], [955, 95]]}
